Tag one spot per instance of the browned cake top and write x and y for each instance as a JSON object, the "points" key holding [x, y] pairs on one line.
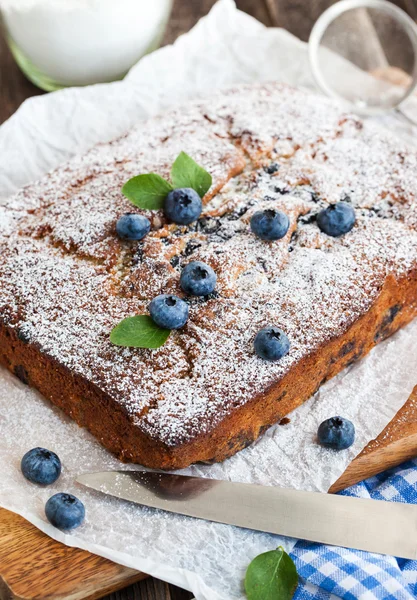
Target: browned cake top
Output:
{"points": [[66, 279]]}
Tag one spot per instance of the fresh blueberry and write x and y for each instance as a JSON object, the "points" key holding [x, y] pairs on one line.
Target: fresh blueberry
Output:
{"points": [[169, 312], [270, 224], [132, 226], [183, 206], [41, 466], [336, 219], [198, 279], [65, 511], [271, 343], [337, 433]]}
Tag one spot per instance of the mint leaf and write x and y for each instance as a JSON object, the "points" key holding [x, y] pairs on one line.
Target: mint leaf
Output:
{"points": [[147, 191], [271, 576], [139, 332], [186, 172]]}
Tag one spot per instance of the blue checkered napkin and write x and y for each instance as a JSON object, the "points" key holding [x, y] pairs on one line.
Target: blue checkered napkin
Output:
{"points": [[328, 572]]}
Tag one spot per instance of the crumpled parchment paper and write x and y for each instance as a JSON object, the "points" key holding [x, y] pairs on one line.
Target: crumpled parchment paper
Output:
{"points": [[225, 48]]}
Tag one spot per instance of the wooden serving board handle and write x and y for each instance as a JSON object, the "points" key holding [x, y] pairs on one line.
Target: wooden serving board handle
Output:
{"points": [[35, 567]]}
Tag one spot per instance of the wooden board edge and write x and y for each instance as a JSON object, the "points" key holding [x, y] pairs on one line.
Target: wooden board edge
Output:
{"points": [[30, 561], [9, 592], [368, 464]]}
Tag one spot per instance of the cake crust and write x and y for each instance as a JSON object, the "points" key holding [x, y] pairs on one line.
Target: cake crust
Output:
{"points": [[66, 279]]}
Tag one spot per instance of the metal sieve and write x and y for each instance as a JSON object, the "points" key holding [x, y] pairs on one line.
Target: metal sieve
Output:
{"points": [[364, 52]]}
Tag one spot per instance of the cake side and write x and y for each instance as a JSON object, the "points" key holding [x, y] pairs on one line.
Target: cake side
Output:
{"points": [[112, 426], [66, 279]]}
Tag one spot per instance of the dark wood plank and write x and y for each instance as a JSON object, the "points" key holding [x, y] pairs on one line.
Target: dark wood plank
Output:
{"points": [[151, 589], [185, 14], [177, 594], [298, 16], [258, 9], [14, 87]]}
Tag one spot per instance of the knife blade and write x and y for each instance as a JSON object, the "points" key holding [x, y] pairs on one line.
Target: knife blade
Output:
{"points": [[363, 524]]}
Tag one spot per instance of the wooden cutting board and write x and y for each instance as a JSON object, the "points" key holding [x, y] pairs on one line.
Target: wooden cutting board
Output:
{"points": [[35, 567]]}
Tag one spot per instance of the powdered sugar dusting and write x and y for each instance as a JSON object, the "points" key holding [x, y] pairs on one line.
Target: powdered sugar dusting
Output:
{"points": [[67, 279]]}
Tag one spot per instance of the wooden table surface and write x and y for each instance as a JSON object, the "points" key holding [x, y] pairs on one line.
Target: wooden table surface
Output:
{"points": [[298, 17]]}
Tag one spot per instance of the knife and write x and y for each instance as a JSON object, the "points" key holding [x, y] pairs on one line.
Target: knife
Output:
{"points": [[371, 525]]}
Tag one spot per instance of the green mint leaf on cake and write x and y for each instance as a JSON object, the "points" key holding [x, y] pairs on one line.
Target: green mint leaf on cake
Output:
{"points": [[270, 576], [186, 173], [147, 191], [150, 190], [139, 332]]}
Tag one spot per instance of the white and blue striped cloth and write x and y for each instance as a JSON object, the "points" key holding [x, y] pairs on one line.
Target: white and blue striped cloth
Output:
{"points": [[329, 573]]}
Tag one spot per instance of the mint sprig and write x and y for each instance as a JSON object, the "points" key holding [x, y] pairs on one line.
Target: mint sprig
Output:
{"points": [[186, 172], [149, 191], [139, 332], [270, 576]]}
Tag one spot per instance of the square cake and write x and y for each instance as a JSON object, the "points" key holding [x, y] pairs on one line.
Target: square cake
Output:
{"points": [[66, 279]]}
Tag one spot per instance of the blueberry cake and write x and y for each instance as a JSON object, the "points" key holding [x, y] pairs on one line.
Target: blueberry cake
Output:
{"points": [[67, 278]]}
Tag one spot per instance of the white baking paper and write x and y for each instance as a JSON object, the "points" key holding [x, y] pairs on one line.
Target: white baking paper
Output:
{"points": [[209, 559]]}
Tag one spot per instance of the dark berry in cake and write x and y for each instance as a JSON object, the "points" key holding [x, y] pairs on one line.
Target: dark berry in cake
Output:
{"points": [[169, 312], [337, 433], [198, 279], [269, 224], [41, 466], [183, 206], [65, 511], [191, 247], [132, 226], [208, 225], [271, 343], [272, 168], [336, 219]]}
